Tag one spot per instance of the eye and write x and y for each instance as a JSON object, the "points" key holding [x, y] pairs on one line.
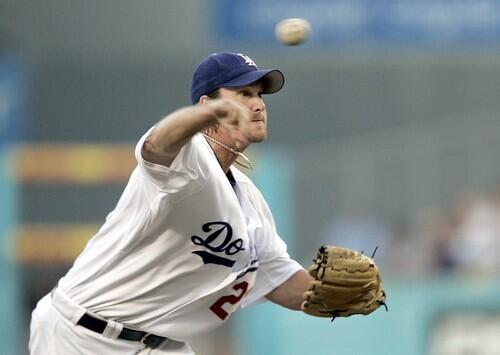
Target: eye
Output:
{"points": [[245, 93]]}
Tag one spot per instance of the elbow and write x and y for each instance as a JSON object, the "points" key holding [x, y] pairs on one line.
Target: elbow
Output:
{"points": [[149, 147], [153, 153]]}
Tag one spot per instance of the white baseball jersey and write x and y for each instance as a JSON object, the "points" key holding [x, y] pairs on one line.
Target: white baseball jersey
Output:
{"points": [[182, 249]]}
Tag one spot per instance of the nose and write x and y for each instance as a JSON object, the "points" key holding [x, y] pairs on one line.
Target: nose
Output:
{"points": [[257, 104]]}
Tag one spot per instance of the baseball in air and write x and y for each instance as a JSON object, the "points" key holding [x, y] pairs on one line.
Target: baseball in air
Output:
{"points": [[293, 31]]}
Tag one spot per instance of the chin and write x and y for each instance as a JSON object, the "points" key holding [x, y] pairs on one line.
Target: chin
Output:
{"points": [[258, 137]]}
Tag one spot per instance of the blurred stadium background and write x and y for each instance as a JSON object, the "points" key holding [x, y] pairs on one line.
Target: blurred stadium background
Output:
{"points": [[387, 133]]}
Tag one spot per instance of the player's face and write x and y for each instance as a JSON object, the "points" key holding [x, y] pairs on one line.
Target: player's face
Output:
{"points": [[251, 97]]}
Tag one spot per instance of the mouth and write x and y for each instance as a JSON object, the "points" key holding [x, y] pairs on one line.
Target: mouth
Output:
{"points": [[258, 123], [258, 117]]}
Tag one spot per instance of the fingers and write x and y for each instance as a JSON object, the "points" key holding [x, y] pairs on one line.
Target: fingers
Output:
{"points": [[234, 118], [230, 112]]}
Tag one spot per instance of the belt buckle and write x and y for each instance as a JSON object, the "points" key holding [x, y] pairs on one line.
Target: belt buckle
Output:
{"points": [[144, 339], [151, 341]]}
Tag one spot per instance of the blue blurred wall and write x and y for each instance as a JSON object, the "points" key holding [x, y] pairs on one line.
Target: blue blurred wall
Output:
{"points": [[12, 120], [414, 307]]}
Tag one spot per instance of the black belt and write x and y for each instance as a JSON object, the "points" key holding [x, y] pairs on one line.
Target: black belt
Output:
{"points": [[98, 325]]}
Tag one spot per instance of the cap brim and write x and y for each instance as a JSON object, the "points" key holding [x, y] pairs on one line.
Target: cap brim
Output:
{"points": [[272, 79]]}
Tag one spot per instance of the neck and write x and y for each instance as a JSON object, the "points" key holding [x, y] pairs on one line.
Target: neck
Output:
{"points": [[227, 155]]}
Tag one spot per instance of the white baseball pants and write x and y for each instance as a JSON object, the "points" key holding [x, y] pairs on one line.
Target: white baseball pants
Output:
{"points": [[54, 332]]}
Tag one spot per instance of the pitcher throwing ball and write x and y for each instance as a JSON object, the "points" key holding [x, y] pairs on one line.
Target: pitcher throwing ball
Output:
{"points": [[192, 239]]}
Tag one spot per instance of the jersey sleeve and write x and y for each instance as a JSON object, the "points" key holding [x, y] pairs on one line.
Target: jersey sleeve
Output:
{"points": [[275, 264], [187, 167]]}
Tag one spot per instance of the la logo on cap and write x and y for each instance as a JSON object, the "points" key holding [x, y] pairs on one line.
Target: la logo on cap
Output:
{"points": [[247, 59]]}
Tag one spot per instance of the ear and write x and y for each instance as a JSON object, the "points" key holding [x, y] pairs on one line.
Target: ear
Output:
{"points": [[204, 99]]}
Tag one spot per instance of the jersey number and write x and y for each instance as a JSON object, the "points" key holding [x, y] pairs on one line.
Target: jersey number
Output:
{"points": [[231, 299]]}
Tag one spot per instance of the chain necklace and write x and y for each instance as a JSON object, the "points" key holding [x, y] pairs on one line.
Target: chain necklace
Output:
{"points": [[246, 163]]}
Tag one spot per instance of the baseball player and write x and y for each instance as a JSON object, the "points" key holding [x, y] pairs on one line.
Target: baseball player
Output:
{"points": [[191, 238]]}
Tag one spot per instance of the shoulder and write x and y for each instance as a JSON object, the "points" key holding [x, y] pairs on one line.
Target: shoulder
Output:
{"points": [[193, 163]]}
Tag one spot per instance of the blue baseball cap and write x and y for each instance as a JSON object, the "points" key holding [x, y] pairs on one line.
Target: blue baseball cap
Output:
{"points": [[232, 70]]}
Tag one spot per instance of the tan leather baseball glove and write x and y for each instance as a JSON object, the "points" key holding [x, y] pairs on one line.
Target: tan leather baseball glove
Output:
{"points": [[346, 282]]}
